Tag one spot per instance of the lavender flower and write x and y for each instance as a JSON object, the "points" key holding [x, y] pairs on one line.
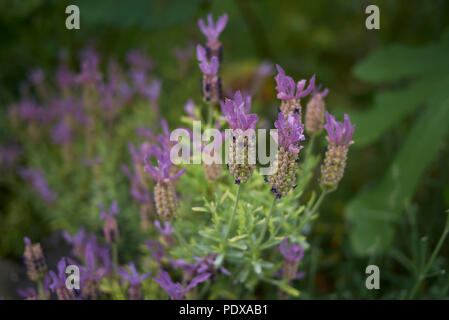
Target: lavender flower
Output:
{"points": [[28, 293], [315, 111], [242, 146], [290, 133], [110, 228], [212, 32], [211, 83], [339, 139], [89, 67], [91, 274], [164, 191], [34, 260], [156, 249], [174, 289], [290, 92], [65, 78], [166, 232], [135, 280], [39, 183], [37, 77], [78, 242], [61, 133], [201, 265], [58, 284], [292, 254], [189, 108], [139, 61]]}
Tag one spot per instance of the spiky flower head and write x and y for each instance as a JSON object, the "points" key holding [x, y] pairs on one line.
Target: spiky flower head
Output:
{"points": [[175, 289], [242, 137], [34, 260], [315, 111], [212, 31], [292, 255], [211, 82], [289, 135], [110, 228], [164, 191], [135, 280], [290, 92], [339, 138]]}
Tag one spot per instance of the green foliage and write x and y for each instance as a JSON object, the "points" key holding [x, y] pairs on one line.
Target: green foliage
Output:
{"points": [[424, 73]]}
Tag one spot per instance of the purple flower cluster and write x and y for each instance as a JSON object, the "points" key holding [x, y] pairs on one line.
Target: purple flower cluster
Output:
{"points": [[110, 228], [339, 138], [290, 92], [39, 183], [175, 289]]}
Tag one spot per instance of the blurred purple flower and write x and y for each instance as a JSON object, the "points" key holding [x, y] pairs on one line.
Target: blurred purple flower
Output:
{"points": [[161, 172], [212, 30], [156, 249], [292, 253], [9, 155], [133, 277], [166, 230], [174, 289], [36, 76], [61, 133], [138, 60], [89, 67], [37, 179], [209, 68]]}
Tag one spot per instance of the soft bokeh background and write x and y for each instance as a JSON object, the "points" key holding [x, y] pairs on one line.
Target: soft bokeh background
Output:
{"points": [[393, 82]]}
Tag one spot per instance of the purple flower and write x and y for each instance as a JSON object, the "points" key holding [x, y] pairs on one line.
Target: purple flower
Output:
{"points": [[290, 132], [36, 76], [161, 173], [113, 210], [212, 31], [110, 228], [288, 90], [156, 249], [174, 289], [134, 278], [339, 133], [138, 60], [28, 293], [91, 272], [39, 183], [237, 114], [189, 108], [209, 68], [317, 91], [166, 230], [153, 90], [292, 253], [89, 67], [59, 279], [61, 133], [64, 77]]}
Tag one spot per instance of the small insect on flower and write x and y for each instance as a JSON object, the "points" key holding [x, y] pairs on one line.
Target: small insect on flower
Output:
{"points": [[110, 228], [290, 133], [135, 281], [34, 260], [242, 145], [339, 139], [212, 32], [292, 255], [290, 92], [175, 289], [316, 109], [164, 191], [211, 82]]}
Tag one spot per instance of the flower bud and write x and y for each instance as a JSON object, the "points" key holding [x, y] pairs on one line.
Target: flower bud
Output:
{"points": [[34, 259]]}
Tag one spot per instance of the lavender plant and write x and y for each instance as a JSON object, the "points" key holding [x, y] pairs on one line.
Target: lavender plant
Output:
{"points": [[201, 233]]}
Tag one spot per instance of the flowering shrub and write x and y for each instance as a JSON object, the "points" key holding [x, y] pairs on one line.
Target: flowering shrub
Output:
{"points": [[196, 231]]}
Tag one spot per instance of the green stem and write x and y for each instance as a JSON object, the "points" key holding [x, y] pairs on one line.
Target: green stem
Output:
{"points": [[310, 147], [423, 273], [311, 212], [114, 257], [233, 214], [40, 289], [267, 221]]}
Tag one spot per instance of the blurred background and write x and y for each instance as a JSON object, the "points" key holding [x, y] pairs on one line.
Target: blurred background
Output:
{"points": [[389, 209]]}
